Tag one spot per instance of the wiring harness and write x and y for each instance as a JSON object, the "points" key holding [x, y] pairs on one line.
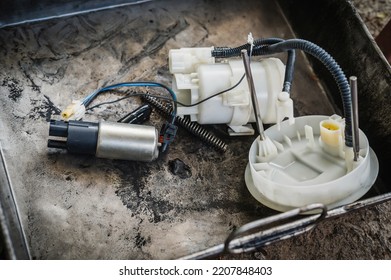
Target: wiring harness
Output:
{"points": [[259, 47]]}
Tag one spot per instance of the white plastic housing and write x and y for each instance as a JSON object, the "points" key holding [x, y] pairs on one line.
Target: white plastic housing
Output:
{"points": [[304, 171], [186, 60], [197, 76]]}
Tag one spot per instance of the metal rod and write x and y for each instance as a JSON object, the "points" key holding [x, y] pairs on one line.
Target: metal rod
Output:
{"points": [[254, 100], [356, 135]]}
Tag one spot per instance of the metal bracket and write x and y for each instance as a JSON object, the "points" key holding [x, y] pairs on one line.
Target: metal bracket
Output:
{"points": [[259, 233], [244, 239], [11, 230]]}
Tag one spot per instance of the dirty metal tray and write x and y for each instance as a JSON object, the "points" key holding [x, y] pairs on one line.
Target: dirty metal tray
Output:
{"points": [[60, 206]]}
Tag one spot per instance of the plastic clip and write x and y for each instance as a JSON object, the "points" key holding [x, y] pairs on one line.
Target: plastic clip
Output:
{"points": [[167, 135]]}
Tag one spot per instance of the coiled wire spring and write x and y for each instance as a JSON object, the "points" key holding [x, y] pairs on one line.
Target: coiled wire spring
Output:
{"points": [[192, 127]]}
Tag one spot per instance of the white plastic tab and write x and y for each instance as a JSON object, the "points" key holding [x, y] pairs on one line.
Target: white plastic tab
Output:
{"points": [[185, 60]]}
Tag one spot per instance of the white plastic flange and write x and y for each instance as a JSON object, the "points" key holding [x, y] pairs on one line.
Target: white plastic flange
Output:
{"points": [[304, 172]]}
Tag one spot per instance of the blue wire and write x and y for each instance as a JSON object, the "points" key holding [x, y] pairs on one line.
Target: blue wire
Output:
{"points": [[87, 100]]}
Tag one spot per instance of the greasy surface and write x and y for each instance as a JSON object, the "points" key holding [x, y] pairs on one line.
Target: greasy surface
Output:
{"points": [[365, 234], [79, 207], [82, 207]]}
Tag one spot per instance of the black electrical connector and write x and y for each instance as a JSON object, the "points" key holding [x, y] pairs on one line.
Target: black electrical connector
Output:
{"points": [[138, 116], [167, 135], [80, 137]]}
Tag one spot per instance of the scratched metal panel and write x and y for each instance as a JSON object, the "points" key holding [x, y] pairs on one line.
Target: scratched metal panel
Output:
{"points": [[80, 207], [12, 239], [14, 12]]}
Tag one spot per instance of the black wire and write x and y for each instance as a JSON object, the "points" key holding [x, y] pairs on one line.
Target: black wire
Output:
{"points": [[125, 97], [166, 98], [258, 49], [214, 95], [93, 95]]}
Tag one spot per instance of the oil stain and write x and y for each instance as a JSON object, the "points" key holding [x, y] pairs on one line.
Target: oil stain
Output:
{"points": [[140, 241], [44, 109], [135, 193], [14, 87]]}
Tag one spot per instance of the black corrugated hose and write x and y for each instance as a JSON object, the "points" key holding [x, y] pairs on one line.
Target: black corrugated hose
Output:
{"points": [[225, 52]]}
